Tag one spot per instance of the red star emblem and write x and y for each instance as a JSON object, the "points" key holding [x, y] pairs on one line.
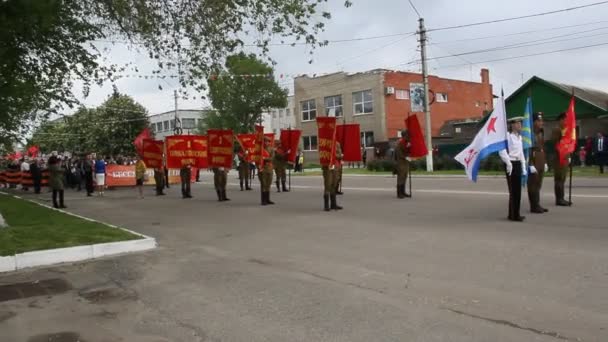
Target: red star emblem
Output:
{"points": [[492, 125]]}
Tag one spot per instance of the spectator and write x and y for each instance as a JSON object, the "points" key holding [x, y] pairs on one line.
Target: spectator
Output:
{"points": [[100, 175], [25, 168], [364, 156], [600, 149], [88, 169], [582, 155], [56, 181], [36, 175]]}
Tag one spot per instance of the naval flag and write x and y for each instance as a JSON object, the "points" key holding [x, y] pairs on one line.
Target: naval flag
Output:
{"points": [[491, 138]]}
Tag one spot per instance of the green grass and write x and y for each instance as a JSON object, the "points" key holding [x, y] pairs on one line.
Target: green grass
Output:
{"points": [[578, 171], [33, 227]]}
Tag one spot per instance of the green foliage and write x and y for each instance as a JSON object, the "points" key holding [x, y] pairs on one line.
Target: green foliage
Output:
{"points": [[382, 165], [109, 129], [46, 45], [240, 101], [32, 227]]}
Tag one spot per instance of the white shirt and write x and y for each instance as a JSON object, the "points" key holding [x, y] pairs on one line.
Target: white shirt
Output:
{"points": [[600, 145], [516, 150], [25, 166]]}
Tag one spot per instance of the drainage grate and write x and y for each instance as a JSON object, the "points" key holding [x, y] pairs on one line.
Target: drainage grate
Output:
{"points": [[45, 287]]}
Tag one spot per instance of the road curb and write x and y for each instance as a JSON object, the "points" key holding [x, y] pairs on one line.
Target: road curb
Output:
{"points": [[74, 254]]}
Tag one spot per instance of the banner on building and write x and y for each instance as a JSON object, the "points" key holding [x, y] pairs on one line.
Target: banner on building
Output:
{"points": [[326, 128], [247, 142], [221, 147], [349, 137], [152, 151], [186, 149], [290, 139], [417, 97]]}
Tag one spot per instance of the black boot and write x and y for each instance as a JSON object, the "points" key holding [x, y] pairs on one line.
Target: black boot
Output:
{"points": [[263, 196], [268, 201], [278, 187], [535, 207], [241, 182], [404, 193], [400, 193], [219, 195], [326, 202], [284, 187], [334, 202], [61, 205], [55, 205], [559, 197], [224, 197]]}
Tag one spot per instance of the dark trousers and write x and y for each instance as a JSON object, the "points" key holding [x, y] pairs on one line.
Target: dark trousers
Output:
{"points": [[185, 186], [602, 160], [514, 183], [166, 178], [88, 179], [55, 193], [37, 184]]}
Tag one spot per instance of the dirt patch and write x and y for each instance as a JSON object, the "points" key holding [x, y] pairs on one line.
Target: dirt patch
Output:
{"points": [[57, 337], [47, 287], [107, 295]]}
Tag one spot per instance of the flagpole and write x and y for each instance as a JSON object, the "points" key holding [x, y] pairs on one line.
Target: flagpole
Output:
{"points": [[410, 173], [570, 182], [289, 176], [343, 149]]}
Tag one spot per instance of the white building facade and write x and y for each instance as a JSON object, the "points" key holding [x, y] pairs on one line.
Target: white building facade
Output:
{"points": [[282, 118], [163, 124]]}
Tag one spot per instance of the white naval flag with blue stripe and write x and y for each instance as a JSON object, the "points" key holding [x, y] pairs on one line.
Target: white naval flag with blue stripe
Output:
{"points": [[491, 138]]}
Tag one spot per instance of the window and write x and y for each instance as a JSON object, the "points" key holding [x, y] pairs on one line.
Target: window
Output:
{"points": [[477, 104], [367, 139], [402, 94], [159, 126], [287, 112], [333, 106], [309, 110], [280, 113], [363, 102], [152, 128], [442, 97], [188, 123], [310, 143], [274, 114], [458, 129], [172, 124]]}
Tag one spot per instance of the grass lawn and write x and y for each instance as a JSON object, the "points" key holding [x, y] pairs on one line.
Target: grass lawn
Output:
{"points": [[578, 171], [33, 227]]}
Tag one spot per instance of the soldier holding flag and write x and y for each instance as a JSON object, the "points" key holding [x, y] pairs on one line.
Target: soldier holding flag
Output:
{"points": [[402, 153], [279, 161], [243, 168]]}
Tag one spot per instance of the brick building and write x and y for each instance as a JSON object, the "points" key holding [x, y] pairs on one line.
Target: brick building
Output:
{"points": [[379, 100]]}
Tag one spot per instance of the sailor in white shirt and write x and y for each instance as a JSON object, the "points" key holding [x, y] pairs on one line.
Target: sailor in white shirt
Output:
{"points": [[515, 163]]}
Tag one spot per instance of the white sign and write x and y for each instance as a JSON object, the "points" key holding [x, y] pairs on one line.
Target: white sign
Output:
{"points": [[417, 97]]}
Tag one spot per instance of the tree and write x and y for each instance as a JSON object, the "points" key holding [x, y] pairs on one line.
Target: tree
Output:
{"points": [[45, 45], [240, 99], [108, 129]]}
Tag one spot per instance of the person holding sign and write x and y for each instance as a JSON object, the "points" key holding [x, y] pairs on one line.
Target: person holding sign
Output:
{"points": [[280, 166]]}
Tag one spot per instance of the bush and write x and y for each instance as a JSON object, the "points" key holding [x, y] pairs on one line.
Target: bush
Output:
{"points": [[381, 165]]}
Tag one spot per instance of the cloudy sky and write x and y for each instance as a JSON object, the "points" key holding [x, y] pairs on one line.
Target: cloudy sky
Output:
{"points": [[399, 50]]}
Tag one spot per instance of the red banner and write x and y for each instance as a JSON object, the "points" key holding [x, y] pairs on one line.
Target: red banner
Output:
{"points": [[326, 127], [418, 147], [187, 149], [33, 151], [139, 140], [349, 137], [153, 153], [247, 142], [221, 147], [290, 139], [259, 144], [567, 144]]}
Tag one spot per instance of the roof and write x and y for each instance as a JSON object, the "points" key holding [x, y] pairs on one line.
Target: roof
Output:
{"points": [[593, 97]]}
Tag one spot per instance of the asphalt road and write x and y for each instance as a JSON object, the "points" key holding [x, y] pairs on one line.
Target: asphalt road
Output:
{"points": [[445, 265]]}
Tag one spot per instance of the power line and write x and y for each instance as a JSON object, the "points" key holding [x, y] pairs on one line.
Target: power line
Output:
{"points": [[415, 9], [518, 33], [542, 41], [518, 18], [528, 55]]}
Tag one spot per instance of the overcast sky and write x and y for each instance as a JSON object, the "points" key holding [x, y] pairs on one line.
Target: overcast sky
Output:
{"points": [[369, 18]]}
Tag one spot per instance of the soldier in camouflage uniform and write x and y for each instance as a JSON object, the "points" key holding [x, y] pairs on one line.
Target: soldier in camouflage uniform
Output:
{"points": [[330, 182], [243, 168], [339, 158], [537, 166], [402, 152], [265, 173], [560, 172], [279, 161], [220, 179]]}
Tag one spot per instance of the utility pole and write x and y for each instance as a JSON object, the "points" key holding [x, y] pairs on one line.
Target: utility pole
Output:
{"points": [[427, 107], [177, 125]]}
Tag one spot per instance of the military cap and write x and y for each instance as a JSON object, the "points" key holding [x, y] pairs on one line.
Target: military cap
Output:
{"points": [[516, 119], [537, 116]]}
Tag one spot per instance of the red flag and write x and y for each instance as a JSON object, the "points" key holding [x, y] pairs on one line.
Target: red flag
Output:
{"points": [[567, 144], [221, 146], [152, 153], [349, 135], [259, 151], [139, 140], [247, 142], [418, 147], [33, 151], [326, 128], [290, 139], [186, 149]]}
